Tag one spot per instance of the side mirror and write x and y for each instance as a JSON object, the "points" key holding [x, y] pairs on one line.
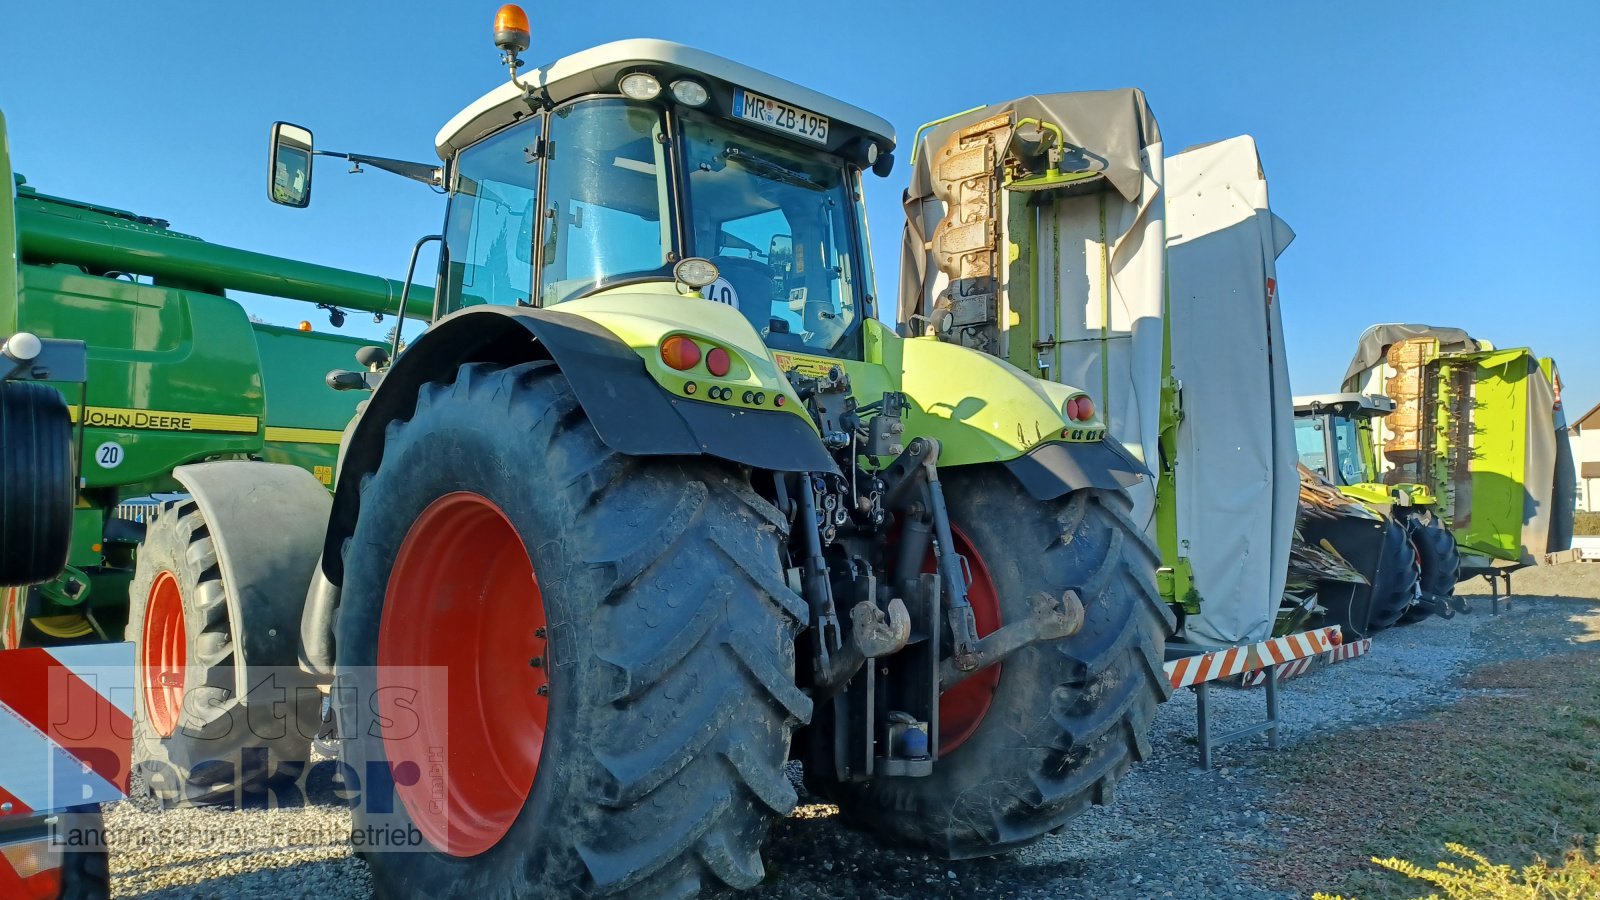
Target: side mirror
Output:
{"points": [[289, 166], [780, 252]]}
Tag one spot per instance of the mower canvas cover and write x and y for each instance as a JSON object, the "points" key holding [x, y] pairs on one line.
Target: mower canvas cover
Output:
{"points": [[979, 243], [1237, 483]]}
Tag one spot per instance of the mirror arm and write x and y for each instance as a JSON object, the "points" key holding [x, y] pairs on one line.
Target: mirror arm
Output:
{"points": [[429, 175]]}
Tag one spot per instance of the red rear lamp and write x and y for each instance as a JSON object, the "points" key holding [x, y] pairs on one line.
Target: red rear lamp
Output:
{"points": [[1072, 410], [717, 362], [681, 353], [779, 400], [1085, 409]]}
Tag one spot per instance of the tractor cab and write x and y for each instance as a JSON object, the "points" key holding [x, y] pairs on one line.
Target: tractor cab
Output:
{"points": [[644, 168], [1333, 435], [605, 170]]}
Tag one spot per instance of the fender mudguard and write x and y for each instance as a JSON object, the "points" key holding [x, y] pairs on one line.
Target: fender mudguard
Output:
{"points": [[1052, 470], [632, 414], [263, 519]]}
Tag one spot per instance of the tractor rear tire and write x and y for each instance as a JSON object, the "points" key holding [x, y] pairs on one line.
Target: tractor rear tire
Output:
{"points": [[1067, 718], [1395, 587], [196, 741], [37, 484], [631, 617]]}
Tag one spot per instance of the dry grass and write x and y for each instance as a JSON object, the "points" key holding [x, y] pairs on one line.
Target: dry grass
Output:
{"points": [[1575, 878], [1586, 523], [1514, 774]]}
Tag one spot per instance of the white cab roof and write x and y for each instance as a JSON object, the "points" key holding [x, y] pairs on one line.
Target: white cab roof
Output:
{"points": [[1368, 402], [596, 71]]}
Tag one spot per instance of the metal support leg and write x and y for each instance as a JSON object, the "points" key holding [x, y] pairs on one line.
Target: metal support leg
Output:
{"points": [[1272, 708], [1207, 740]]}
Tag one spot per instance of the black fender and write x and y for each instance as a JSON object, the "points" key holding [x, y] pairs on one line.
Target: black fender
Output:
{"points": [[631, 413], [1052, 470]]}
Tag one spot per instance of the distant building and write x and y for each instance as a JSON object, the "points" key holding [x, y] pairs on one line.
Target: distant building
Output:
{"points": [[1585, 435]]}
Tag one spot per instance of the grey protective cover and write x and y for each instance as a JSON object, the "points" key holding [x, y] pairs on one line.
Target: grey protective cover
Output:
{"points": [[1104, 131], [1377, 340], [1238, 484]]}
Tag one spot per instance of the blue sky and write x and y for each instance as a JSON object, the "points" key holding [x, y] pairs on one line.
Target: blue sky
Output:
{"points": [[1437, 160]]}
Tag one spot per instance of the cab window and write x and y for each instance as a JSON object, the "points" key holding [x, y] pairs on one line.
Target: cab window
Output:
{"points": [[489, 230], [1312, 445], [777, 223], [606, 218]]}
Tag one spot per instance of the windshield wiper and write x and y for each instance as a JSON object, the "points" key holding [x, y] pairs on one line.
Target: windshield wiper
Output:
{"points": [[772, 170]]}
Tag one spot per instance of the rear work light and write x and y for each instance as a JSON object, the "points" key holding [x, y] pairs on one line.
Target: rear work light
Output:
{"points": [[680, 353]]}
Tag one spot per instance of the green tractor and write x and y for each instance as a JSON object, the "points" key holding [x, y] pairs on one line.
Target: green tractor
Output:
{"points": [[1407, 553], [655, 505], [1460, 444]]}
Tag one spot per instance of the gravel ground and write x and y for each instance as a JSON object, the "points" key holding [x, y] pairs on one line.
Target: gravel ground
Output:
{"points": [[1174, 831]]}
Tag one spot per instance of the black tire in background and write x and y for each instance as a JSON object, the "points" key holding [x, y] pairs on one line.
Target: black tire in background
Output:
{"points": [[37, 487], [1068, 717], [85, 868], [1394, 588], [1437, 553], [1438, 559], [202, 743], [671, 694]]}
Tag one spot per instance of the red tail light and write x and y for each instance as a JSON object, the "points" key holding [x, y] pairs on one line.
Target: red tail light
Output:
{"points": [[717, 362], [1072, 410], [1085, 409], [681, 353]]}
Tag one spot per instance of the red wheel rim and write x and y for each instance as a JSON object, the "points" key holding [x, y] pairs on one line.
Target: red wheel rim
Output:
{"points": [[163, 654], [463, 599], [962, 708]]}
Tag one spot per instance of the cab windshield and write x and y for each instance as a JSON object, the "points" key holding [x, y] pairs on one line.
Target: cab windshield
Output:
{"points": [[777, 223], [618, 203], [1310, 437]]}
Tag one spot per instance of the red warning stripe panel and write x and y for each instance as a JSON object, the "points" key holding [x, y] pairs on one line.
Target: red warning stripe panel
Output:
{"points": [[41, 691], [12, 805]]}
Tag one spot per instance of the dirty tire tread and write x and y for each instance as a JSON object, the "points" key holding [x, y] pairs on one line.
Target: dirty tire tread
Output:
{"points": [[663, 578], [1070, 716], [216, 755], [1439, 559], [1395, 586]]}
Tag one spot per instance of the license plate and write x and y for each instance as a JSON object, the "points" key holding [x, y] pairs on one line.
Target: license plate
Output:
{"points": [[780, 116]]}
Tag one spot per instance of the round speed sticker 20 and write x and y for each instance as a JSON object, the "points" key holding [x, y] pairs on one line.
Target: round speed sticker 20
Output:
{"points": [[108, 455]]}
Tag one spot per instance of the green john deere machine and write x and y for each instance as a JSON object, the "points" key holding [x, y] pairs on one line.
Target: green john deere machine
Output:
{"points": [[655, 505], [1463, 443], [177, 373]]}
